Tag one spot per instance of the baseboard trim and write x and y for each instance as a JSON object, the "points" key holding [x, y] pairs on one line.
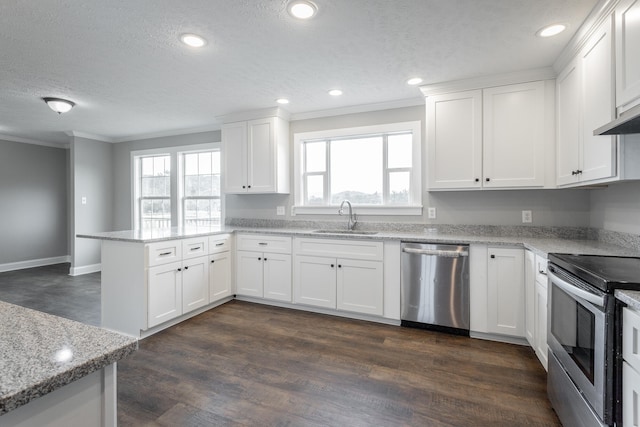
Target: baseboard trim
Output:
{"points": [[21, 265], [85, 269]]}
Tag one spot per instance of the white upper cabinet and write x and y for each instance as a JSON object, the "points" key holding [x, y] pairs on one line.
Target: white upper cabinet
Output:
{"points": [[627, 16], [454, 135], [513, 135], [256, 156], [585, 91], [491, 138]]}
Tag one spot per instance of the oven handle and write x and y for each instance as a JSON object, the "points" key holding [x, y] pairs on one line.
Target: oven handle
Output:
{"points": [[568, 287]]}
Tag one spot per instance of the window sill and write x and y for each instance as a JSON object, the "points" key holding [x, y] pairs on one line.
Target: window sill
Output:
{"points": [[360, 210]]}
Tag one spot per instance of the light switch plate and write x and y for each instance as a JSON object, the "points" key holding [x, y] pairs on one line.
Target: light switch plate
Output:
{"points": [[527, 217], [280, 210], [83, 200]]}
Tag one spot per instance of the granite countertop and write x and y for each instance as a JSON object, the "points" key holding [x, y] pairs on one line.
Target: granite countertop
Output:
{"points": [[540, 245], [631, 298], [40, 352]]}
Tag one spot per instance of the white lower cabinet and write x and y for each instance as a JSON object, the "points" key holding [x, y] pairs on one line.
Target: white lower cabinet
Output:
{"points": [[249, 274], [540, 307], [530, 297], [219, 276], [164, 293], [535, 285], [630, 367], [264, 275], [505, 275], [360, 286], [195, 283], [315, 281]]}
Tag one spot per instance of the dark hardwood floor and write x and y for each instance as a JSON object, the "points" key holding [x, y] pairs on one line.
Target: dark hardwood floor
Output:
{"points": [[249, 364], [245, 364]]}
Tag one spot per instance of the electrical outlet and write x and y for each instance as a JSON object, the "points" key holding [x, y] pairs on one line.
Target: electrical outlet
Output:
{"points": [[527, 217], [83, 200], [431, 213], [293, 211], [280, 210]]}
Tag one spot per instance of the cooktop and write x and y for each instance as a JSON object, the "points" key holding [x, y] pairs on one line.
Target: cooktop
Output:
{"points": [[604, 272]]}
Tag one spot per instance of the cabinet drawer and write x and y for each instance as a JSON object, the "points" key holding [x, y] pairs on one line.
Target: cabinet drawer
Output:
{"points": [[257, 242], [354, 249], [219, 243], [164, 252], [195, 247], [631, 337], [541, 270]]}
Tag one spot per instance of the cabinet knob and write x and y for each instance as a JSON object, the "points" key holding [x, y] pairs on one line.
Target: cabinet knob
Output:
{"points": [[212, 261], [332, 265], [265, 260], [477, 179], [487, 179], [259, 258], [248, 186], [186, 267], [339, 265], [179, 269], [574, 172], [578, 172], [493, 256], [244, 186]]}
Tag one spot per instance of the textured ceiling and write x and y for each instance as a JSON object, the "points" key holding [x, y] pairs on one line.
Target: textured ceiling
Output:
{"points": [[122, 63]]}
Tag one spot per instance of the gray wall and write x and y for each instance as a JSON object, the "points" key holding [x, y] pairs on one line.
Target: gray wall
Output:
{"points": [[550, 207], [33, 202], [92, 177], [122, 169], [617, 207]]}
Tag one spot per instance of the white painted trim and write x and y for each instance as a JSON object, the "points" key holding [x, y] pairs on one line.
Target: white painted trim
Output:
{"points": [[85, 269], [175, 132], [493, 80], [86, 135], [364, 108], [21, 265], [254, 115], [359, 210], [499, 338], [10, 138]]}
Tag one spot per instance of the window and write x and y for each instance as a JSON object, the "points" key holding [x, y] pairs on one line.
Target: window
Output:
{"points": [[376, 168], [201, 188], [154, 202], [177, 186]]}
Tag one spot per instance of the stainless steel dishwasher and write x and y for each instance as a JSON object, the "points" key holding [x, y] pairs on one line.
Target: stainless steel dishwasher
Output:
{"points": [[435, 287]]}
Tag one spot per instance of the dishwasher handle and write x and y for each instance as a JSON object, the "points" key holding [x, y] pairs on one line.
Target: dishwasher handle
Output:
{"points": [[436, 252]]}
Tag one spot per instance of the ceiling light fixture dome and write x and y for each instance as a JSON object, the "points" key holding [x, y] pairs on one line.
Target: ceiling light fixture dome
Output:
{"points": [[193, 40], [59, 105], [551, 30], [302, 9]]}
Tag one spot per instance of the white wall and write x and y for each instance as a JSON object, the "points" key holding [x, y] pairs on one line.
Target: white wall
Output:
{"points": [[33, 202], [550, 207], [91, 177], [617, 207]]}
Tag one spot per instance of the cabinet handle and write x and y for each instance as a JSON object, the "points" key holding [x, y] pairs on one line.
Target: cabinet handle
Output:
{"points": [[195, 249], [248, 186], [265, 260], [165, 253], [574, 172], [578, 172], [487, 179], [219, 244], [477, 179], [339, 265], [493, 256], [186, 267], [179, 269], [544, 273], [259, 258], [263, 244], [331, 265]]}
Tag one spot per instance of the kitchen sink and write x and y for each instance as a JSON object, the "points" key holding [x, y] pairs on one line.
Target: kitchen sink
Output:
{"points": [[354, 232]]}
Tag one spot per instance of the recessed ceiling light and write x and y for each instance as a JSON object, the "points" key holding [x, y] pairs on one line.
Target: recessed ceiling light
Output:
{"points": [[551, 30], [335, 92], [282, 101], [302, 9], [59, 105], [414, 81], [192, 40]]}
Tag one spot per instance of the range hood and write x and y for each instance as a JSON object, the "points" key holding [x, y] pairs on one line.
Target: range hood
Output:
{"points": [[628, 122]]}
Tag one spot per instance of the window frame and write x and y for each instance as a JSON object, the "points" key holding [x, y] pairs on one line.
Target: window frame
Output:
{"points": [[139, 199], [415, 197], [181, 182], [175, 154]]}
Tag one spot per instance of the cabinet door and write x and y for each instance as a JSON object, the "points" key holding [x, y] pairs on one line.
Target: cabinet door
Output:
{"points": [[234, 157], [164, 293], [630, 396], [513, 135], [627, 58], [249, 274], [360, 286], [277, 277], [261, 156], [596, 64], [505, 305], [529, 297], [568, 125], [219, 276], [195, 283], [454, 140], [541, 347], [315, 281]]}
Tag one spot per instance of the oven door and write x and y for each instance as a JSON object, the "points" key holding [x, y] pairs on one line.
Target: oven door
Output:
{"points": [[577, 335]]}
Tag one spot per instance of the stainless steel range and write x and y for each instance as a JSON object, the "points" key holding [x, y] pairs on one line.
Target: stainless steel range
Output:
{"points": [[584, 372]]}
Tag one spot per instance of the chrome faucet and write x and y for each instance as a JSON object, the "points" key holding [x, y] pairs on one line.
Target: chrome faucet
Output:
{"points": [[353, 220]]}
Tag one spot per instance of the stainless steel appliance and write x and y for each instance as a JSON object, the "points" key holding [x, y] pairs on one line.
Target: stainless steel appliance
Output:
{"points": [[584, 374], [435, 287]]}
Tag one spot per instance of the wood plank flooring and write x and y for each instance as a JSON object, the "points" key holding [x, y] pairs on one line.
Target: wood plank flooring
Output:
{"points": [[249, 364]]}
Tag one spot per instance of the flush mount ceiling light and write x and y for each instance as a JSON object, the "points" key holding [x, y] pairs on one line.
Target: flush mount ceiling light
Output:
{"points": [[282, 101], [335, 92], [302, 9], [59, 105], [192, 40], [551, 30], [414, 81]]}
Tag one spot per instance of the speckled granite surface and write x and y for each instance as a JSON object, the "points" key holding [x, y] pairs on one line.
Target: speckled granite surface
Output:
{"points": [[631, 298], [40, 353], [156, 235]]}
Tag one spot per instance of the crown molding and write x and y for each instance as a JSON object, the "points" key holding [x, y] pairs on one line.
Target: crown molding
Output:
{"points": [[598, 14], [11, 138], [175, 132], [482, 82], [76, 134], [364, 108], [254, 114]]}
